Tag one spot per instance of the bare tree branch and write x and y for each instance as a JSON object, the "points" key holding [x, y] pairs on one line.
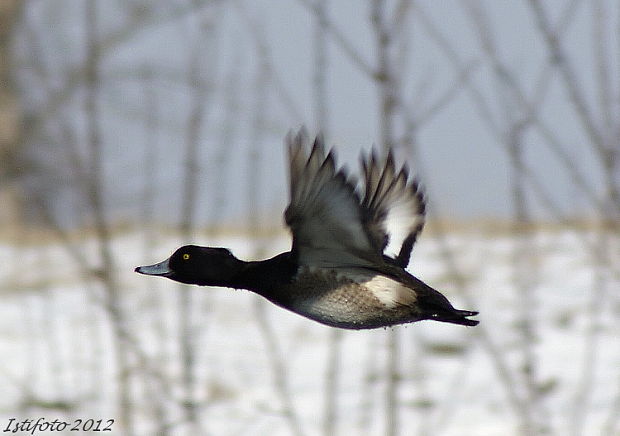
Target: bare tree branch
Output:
{"points": [[320, 66], [482, 334], [531, 107], [449, 95], [203, 47], [321, 119], [570, 81], [345, 45], [95, 185], [74, 77], [263, 80], [600, 25], [452, 54], [387, 86], [265, 54]]}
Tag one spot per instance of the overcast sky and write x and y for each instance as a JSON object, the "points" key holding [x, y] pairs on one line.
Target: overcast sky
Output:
{"points": [[461, 162]]}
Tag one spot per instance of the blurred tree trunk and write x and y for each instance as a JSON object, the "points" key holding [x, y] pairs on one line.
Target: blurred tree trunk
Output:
{"points": [[200, 74], [387, 85], [227, 141], [254, 176], [601, 128], [321, 120], [320, 91], [10, 113], [10, 137], [106, 271], [524, 278], [159, 413], [9, 100], [187, 294]]}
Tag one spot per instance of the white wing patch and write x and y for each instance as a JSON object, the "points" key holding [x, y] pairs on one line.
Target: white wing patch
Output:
{"points": [[394, 206], [332, 227], [402, 220]]}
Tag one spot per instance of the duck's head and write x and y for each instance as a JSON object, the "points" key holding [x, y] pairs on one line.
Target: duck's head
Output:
{"points": [[204, 266]]}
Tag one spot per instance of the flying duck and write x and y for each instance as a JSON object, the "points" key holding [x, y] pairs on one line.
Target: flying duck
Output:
{"points": [[346, 267]]}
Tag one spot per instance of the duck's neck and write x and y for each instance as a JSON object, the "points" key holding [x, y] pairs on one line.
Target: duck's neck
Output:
{"points": [[264, 276]]}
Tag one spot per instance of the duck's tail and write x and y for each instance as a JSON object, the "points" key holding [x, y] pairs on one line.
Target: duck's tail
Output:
{"points": [[456, 317]]}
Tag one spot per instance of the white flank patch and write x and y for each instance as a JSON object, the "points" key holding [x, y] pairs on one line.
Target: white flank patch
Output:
{"points": [[390, 292]]}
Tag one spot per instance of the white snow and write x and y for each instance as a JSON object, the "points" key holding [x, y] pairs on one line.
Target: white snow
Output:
{"points": [[56, 345]]}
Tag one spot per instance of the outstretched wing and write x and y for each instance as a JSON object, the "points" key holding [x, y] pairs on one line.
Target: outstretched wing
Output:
{"points": [[324, 213], [394, 208]]}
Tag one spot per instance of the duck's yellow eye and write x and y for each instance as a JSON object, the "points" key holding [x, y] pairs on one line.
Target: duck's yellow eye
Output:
{"points": [[185, 256]]}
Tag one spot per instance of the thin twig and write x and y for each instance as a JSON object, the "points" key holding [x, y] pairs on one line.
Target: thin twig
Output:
{"points": [[278, 369], [264, 78], [95, 185], [265, 54], [460, 83], [570, 81], [202, 48], [481, 332], [321, 117], [345, 45]]}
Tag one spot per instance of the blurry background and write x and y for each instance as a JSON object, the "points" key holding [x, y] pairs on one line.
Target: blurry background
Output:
{"points": [[128, 128]]}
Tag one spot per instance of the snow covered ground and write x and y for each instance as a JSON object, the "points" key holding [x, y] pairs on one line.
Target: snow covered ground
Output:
{"points": [[58, 357]]}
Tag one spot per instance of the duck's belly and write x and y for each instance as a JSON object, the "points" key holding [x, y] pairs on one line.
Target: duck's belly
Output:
{"points": [[351, 298]]}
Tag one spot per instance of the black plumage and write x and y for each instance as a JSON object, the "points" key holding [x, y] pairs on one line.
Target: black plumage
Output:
{"points": [[346, 267]]}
